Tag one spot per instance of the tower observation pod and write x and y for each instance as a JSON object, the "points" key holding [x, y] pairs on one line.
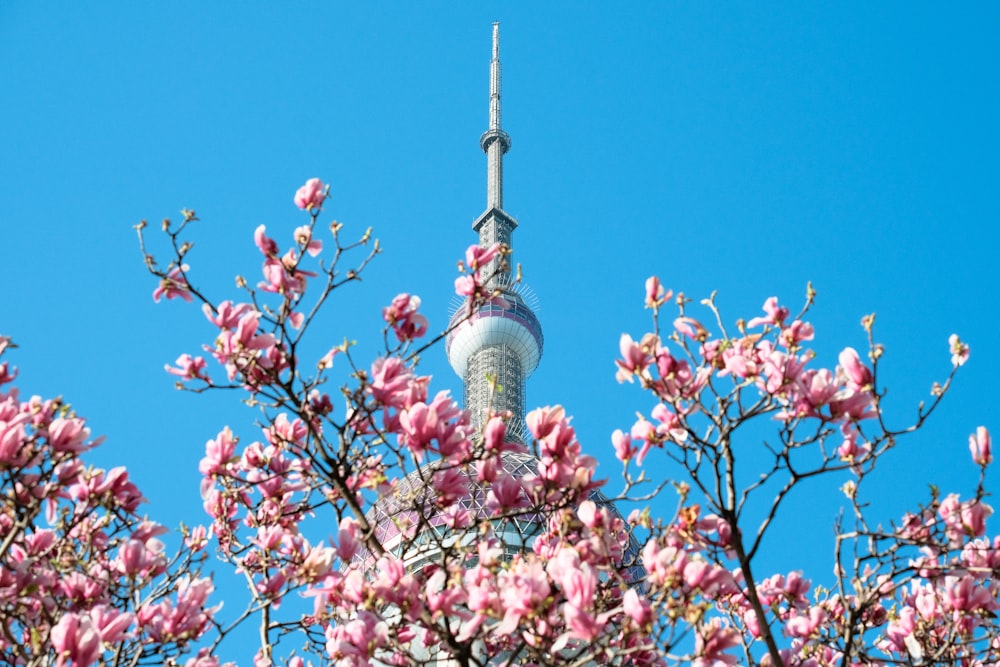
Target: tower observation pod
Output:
{"points": [[496, 347]]}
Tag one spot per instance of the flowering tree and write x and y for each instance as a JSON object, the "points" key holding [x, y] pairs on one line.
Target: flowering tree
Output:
{"points": [[83, 577], [464, 546]]}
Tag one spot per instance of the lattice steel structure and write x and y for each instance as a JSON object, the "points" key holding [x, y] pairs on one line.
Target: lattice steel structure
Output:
{"points": [[497, 348]]}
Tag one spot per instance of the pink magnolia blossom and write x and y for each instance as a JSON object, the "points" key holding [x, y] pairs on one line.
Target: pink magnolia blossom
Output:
{"points": [[111, 623], [655, 294], [267, 246], [494, 434], [691, 328], [966, 594], [311, 195], [524, 591], [226, 315], [442, 599], [76, 641], [981, 447], [477, 257], [857, 375], [711, 640], [466, 286], [775, 314], [283, 276], [795, 333], [805, 625], [219, 454], [348, 534], [69, 435], [138, 558], [634, 360], [174, 285], [304, 237], [637, 608], [450, 485], [356, 642], [623, 445], [183, 620], [404, 319], [317, 564], [506, 494], [963, 519], [189, 368]]}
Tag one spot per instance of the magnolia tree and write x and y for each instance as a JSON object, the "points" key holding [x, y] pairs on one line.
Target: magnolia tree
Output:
{"points": [[459, 546]]}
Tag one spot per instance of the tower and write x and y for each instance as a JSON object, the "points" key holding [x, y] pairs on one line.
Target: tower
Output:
{"points": [[498, 346], [493, 348]]}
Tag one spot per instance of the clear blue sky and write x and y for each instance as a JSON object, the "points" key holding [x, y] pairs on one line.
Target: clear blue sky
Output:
{"points": [[746, 148]]}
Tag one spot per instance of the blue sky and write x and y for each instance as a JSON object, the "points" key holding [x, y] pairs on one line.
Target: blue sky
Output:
{"points": [[745, 148]]}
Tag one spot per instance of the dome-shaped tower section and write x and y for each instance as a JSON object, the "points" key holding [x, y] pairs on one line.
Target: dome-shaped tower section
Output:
{"points": [[498, 346]]}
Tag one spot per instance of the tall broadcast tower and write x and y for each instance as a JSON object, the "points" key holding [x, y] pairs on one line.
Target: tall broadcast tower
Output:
{"points": [[498, 347], [494, 349]]}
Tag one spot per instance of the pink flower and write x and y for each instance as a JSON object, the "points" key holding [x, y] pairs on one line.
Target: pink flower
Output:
{"points": [[623, 445], [174, 285], [959, 350], [311, 195], [465, 286], [69, 435], [392, 383], [218, 454], [317, 563], [188, 368], [691, 328], [776, 314], [265, 243], [188, 618], [963, 520], [712, 639], [477, 257], [494, 434], [635, 358], [801, 625], [795, 333], [524, 591], [980, 446], [858, 376], [404, 319], [506, 493], [347, 538], [450, 486], [655, 295], [355, 642], [636, 608], [544, 421], [76, 641], [111, 624], [140, 559], [226, 315], [304, 237]]}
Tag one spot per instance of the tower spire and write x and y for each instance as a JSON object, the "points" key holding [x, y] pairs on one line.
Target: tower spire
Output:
{"points": [[495, 142], [495, 80]]}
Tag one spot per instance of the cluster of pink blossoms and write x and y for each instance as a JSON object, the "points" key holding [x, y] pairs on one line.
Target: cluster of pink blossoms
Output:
{"points": [[772, 361], [82, 575], [452, 543]]}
